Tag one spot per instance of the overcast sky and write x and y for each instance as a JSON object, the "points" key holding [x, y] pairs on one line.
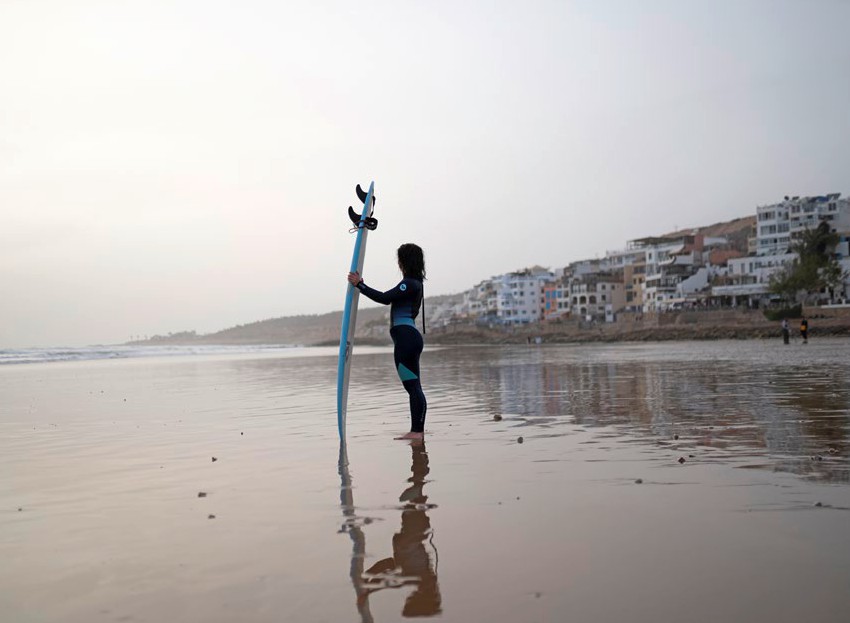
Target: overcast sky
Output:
{"points": [[187, 164]]}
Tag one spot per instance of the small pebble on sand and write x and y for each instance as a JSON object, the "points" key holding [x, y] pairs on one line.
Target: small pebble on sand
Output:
{"points": [[210, 516], [681, 459], [818, 504], [202, 494], [214, 459], [639, 481], [497, 418], [675, 436], [519, 440]]}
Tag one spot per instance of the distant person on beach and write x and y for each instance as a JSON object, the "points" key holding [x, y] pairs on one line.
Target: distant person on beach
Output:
{"points": [[406, 299], [804, 330], [786, 333]]}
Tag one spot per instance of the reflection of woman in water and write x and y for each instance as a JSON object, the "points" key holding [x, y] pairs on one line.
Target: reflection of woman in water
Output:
{"points": [[411, 561], [406, 299]]}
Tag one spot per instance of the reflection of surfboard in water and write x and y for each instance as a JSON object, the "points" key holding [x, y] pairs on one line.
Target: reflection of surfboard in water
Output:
{"points": [[358, 539], [363, 222]]}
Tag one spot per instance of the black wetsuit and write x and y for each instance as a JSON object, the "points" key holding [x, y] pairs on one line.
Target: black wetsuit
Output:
{"points": [[405, 299]]}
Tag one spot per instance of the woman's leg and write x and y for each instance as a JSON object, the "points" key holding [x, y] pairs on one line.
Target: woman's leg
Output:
{"points": [[408, 348], [418, 405]]}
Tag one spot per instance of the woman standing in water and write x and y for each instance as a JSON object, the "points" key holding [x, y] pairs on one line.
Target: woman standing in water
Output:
{"points": [[405, 299]]}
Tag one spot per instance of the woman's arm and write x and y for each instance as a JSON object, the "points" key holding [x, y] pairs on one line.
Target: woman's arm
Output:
{"points": [[384, 298]]}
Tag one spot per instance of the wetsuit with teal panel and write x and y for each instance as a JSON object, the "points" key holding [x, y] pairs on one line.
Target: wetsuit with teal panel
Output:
{"points": [[405, 300]]}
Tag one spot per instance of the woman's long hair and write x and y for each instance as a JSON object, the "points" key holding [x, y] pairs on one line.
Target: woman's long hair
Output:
{"points": [[411, 261]]}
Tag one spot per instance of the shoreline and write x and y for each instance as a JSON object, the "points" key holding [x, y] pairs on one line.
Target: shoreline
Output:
{"points": [[455, 335], [656, 334], [665, 327], [685, 325]]}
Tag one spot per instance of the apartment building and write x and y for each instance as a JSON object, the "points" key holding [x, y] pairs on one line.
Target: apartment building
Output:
{"points": [[597, 295], [777, 226]]}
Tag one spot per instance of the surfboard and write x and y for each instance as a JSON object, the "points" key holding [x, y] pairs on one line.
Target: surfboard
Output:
{"points": [[352, 295], [351, 525]]}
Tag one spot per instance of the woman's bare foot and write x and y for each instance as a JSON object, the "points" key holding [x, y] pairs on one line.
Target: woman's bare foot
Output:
{"points": [[411, 436]]}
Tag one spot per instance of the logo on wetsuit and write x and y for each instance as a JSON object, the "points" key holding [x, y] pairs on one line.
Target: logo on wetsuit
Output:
{"points": [[403, 287]]}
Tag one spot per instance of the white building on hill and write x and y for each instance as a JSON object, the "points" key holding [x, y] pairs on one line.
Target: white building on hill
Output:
{"points": [[519, 295], [778, 223], [634, 253], [777, 226], [512, 298]]}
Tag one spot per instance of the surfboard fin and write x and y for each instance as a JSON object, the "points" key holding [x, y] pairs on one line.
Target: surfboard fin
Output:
{"points": [[361, 194], [370, 223]]}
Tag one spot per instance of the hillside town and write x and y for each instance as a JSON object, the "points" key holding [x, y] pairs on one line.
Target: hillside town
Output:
{"points": [[728, 266], [705, 283]]}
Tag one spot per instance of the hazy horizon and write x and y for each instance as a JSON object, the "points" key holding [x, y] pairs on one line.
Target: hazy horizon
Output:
{"points": [[185, 165]]}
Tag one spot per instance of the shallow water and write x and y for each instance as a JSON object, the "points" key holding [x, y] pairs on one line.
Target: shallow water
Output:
{"points": [[112, 508]]}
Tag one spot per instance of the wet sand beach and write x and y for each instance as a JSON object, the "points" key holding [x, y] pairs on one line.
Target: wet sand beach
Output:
{"points": [[689, 481]]}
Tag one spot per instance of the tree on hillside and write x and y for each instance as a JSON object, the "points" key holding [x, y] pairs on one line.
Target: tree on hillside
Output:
{"points": [[814, 270]]}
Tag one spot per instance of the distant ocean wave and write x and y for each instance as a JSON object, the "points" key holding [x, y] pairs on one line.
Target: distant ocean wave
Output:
{"points": [[89, 353]]}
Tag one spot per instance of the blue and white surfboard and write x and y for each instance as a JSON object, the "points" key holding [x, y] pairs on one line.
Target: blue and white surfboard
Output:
{"points": [[352, 295]]}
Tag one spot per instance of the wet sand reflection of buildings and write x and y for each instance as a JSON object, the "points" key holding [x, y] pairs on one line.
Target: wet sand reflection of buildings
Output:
{"points": [[790, 416]]}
